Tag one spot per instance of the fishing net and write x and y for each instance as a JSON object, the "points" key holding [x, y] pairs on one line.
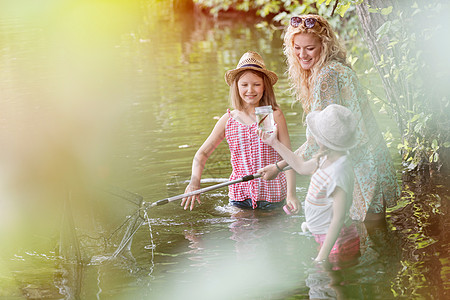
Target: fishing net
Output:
{"points": [[101, 223]]}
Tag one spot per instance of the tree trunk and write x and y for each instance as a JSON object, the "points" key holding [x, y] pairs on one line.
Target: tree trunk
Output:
{"points": [[370, 22]]}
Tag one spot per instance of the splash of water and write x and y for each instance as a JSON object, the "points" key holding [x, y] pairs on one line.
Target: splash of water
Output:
{"points": [[152, 245]]}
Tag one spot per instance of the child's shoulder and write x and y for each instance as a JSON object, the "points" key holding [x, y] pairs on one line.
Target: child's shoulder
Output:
{"points": [[230, 114], [233, 113], [222, 121], [343, 165], [278, 114], [277, 111], [224, 118]]}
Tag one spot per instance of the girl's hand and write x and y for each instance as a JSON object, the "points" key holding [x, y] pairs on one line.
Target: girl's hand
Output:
{"points": [[323, 264], [321, 260], [269, 172], [294, 204], [269, 138], [190, 201]]}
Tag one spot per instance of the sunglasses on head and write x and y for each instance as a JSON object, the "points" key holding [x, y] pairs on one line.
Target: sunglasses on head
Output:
{"points": [[308, 22]]}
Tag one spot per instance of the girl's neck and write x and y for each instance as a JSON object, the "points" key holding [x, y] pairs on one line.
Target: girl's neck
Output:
{"points": [[245, 115], [333, 155], [248, 110], [330, 157]]}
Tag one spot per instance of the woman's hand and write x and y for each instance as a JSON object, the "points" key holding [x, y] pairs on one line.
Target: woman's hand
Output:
{"points": [[269, 172], [190, 201]]}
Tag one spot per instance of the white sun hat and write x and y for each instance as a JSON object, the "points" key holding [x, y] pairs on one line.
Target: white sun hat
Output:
{"points": [[333, 127]]}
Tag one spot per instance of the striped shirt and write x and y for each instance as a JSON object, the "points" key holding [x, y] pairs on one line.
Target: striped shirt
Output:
{"points": [[249, 154], [319, 203]]}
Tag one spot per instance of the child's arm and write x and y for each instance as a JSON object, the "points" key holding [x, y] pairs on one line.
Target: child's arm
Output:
{"points": [[283, 135], [214, 139], [290, 158], [339, 209]]}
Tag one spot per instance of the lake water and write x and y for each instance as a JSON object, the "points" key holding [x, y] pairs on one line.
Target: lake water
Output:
{"points": [[104, 105]]}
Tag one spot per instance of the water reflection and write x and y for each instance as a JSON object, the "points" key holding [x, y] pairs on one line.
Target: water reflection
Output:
{"points": [[421, 221], [323, 284]]}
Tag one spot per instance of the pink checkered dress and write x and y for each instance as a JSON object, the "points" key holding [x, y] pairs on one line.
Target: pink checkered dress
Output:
{"points": [[249, 154]]}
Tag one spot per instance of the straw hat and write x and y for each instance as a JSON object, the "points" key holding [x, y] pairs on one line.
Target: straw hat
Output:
{"points": [[250, 61], [333, 127]]}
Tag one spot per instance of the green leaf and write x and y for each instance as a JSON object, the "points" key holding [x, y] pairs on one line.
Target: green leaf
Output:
{"points": [[387, 10], [434, 144], [417, 11], [384, 29], [415, 118], [280, 16], [343, 8], [436, 157], [393, 43], [418, 128], [373, 10], [299, 10]]}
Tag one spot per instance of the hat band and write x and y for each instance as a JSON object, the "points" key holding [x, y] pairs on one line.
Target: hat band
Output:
{"points": [[250, 65]]}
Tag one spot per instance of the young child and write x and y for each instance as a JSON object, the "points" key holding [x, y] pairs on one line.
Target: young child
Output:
{"points": [[251, 85], [329, 194]]}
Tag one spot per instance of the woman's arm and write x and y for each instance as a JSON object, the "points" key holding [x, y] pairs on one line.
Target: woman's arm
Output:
{"points": [[283, 135], [339, 208], [198, 164]]}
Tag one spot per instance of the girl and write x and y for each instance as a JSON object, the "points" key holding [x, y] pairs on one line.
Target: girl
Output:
{"points": [[320, 76], [251, 85], [330, 192]]}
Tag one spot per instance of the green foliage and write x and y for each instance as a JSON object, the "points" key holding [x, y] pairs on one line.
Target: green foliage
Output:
{"points": [[421, 111], [280, 11], [413, 36], [262, 8]]}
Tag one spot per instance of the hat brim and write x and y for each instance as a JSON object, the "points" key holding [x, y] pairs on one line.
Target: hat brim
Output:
{"points": [[230, 75], [311, 121]]}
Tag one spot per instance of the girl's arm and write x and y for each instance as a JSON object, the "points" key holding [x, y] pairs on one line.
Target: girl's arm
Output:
{"points": [[214, 139], [283, 135], [339, 209], [290, 158], [270, 172]]}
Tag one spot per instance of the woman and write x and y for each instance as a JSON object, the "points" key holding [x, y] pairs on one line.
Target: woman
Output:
{"points": [[320, 76]]}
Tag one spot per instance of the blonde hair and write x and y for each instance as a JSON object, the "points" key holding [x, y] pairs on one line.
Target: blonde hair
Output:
{"points": [[268, 97], [302, 81]]}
